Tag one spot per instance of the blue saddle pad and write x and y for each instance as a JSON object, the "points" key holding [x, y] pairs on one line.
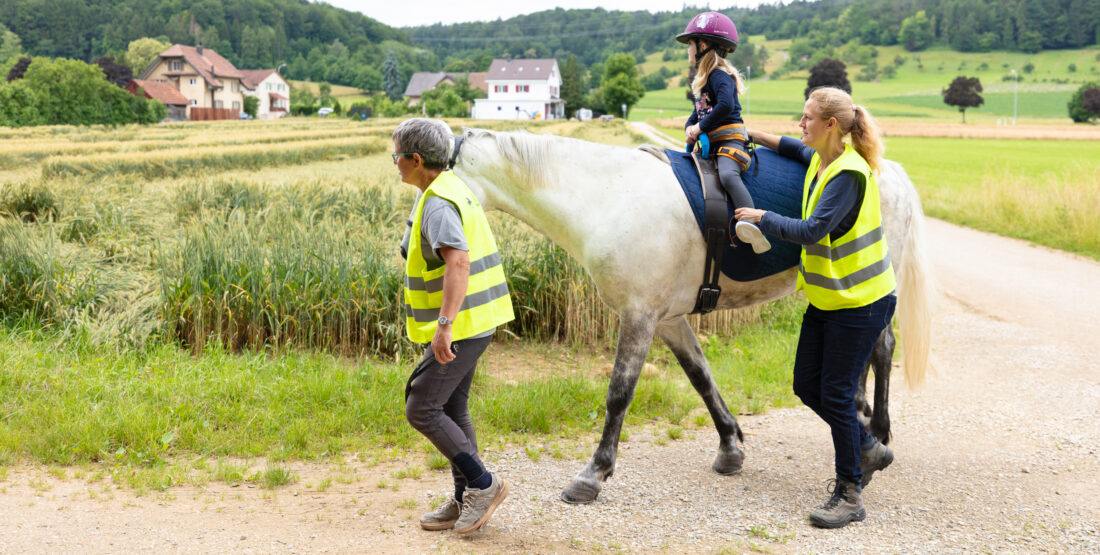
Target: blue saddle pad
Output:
{"points": [[775, 183]]}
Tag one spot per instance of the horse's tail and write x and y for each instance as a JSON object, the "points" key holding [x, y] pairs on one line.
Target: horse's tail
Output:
{"points": [[916, 293]]}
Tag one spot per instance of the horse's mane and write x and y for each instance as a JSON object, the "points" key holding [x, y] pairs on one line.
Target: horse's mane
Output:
{"points": [[531, 157], [528, 155]]}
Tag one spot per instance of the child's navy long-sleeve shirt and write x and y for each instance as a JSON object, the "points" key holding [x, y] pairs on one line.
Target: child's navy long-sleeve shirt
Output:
{"points": [[835, 213], [717, 104]]}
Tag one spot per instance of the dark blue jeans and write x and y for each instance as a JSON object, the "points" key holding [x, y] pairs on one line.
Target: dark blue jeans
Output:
{"points": [[833, 349]]}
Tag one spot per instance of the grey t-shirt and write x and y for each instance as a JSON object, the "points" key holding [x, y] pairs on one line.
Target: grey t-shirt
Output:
{"points": [[440, 226]]}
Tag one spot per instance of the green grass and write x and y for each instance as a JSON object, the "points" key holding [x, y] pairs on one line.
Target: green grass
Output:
{"points": [[1047, 192]]}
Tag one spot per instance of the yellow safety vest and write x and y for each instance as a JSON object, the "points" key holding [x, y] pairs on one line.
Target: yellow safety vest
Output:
{"points": [[854, 270], [487, 303]]}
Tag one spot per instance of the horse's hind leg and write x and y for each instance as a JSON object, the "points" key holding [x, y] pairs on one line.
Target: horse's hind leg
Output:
{"points": [[635, 337], [881, 357], [863, 408], [679, 337]]}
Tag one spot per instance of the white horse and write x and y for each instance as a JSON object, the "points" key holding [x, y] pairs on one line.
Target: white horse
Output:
{"points": [[621, 213]]}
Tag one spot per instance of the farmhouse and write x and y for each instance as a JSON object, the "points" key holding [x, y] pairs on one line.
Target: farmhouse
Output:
{"points": [[423, 81], [522, 89], [165, 93], [213, 87], [272, 90]]}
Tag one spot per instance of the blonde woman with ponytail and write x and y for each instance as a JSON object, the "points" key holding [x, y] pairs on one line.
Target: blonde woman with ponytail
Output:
{"points": [[846, 273], [710, 37]]}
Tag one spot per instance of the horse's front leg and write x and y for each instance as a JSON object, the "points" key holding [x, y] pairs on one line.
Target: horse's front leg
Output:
{"points": [[679, 337], [881, 358], [635, 337]]}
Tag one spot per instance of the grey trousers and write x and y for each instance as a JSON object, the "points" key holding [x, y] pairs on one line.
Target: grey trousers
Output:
{"points": [[436, 399]]}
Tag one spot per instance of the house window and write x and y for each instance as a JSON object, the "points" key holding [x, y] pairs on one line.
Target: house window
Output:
{"points": [[194, 102], [269, 86], [523, 88], [192, 82], [177, 66], [236, 105], [219, 104]]}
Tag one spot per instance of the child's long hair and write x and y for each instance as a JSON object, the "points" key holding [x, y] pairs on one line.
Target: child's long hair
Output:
{"points": [[850, 118], [709, 63]]}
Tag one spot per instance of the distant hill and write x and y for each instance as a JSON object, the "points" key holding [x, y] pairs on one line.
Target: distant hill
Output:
{"points": [[320, 42], [592, 35]]}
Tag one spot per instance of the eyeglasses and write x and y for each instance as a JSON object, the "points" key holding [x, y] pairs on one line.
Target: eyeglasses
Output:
{"points": [[396, 154]]}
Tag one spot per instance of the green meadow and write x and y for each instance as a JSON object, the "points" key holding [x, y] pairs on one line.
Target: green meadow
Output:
{"points": [[915, 91]]}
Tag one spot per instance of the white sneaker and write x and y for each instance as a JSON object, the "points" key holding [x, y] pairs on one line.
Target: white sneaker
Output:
{"points": [[752, 235]]}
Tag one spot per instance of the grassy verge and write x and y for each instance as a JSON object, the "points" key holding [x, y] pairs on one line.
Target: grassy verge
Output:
{"points": [[68, 403]]}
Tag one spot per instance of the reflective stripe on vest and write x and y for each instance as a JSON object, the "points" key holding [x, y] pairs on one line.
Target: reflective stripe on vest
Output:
{"points": [[854, 270], [487, 303]]}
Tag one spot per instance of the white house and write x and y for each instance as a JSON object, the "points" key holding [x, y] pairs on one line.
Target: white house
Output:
{"points": [[522, 89], [272, 90]]}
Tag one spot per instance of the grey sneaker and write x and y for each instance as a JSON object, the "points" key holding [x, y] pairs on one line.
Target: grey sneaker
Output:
{"points": [[878, 457], [478, 505], [843, 507], [752, 235], [443, 517]]}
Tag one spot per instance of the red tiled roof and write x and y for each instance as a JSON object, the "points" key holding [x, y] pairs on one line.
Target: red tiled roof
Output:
{"points": [[253, 77], [158, 90], [209, 64], [521, 69], [279, 96], [477, 81]]}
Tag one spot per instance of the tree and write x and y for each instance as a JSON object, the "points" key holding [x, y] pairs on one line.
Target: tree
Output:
{"points": [[19, 69], [828, 73], [654, 82], [620, 84], [325, 96], [1079, 112], [72, 92], [117, 74], [251, 105], [10, 44], [963, 93], [301, 100], [444, 101], [916, 32], [572, 85], [19, 105], [392, 81], [141, 52], [1091, 100]]}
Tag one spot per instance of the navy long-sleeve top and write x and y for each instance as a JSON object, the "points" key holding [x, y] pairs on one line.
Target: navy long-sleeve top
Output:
{"points": [[835, 213], [717, 104]]}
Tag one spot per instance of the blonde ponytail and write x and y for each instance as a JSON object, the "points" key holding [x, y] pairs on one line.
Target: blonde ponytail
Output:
{"points": [[851, 119], [867, 137]]}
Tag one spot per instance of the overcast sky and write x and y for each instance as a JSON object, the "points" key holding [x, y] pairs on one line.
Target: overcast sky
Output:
{"points": [[411, 13]]}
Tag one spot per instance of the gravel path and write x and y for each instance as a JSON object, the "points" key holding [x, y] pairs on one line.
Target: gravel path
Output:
{"points": [[998, 452]]}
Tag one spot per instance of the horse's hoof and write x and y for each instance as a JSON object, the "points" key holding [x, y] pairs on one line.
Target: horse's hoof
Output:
{"points": [[728, 464], [580, 492]]}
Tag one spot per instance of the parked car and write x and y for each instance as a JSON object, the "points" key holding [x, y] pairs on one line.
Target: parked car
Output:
{"points": [[245, 115], [324, 111]]}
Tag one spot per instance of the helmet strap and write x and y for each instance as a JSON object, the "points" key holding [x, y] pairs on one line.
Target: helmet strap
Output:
{"points": [[720, 52]]}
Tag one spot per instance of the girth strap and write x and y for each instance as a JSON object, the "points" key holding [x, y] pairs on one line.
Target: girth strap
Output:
{"points": [[715, 215]]}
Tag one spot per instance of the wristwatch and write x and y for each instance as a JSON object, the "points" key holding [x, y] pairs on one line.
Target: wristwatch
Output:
{"points": [[443, 321]]}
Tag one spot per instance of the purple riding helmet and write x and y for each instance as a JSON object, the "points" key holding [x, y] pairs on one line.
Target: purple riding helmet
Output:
{"points": [[712, 26]]}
